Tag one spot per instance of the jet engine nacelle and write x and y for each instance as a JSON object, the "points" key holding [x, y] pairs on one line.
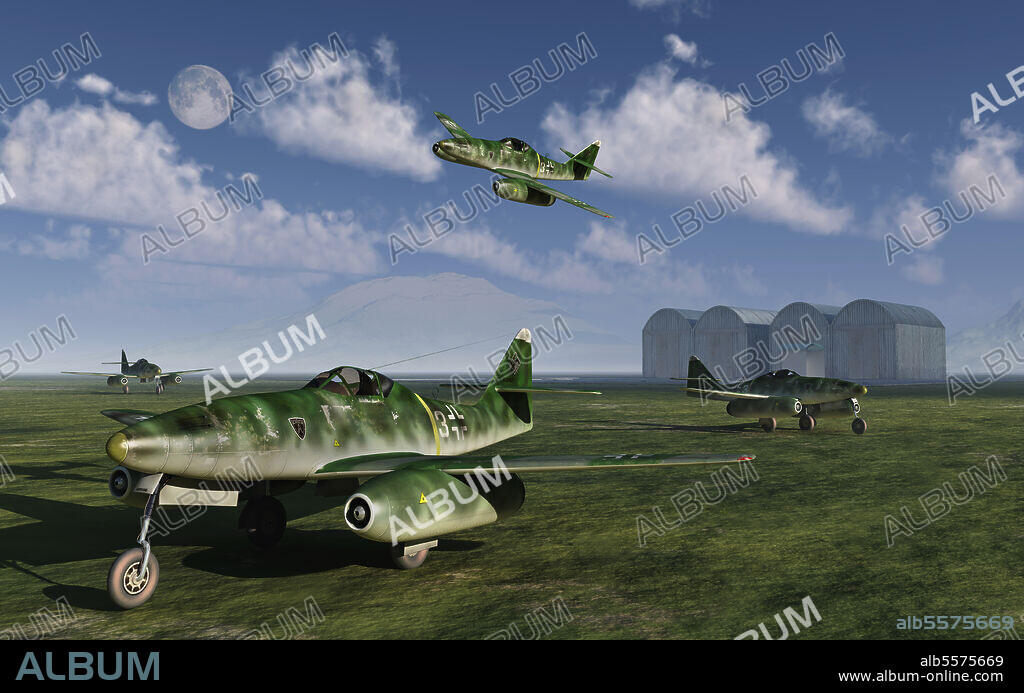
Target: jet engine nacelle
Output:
{"points": [[117, 381], [410, 505], [517, 191], [842, 408], [771, 408], [176, 380]]}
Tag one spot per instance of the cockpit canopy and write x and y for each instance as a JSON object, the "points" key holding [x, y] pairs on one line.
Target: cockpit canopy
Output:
{"points": [[350, 381], [516, 144], [785, 373]]}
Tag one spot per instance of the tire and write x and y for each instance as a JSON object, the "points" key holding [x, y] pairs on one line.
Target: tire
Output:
{"points": [[408, 562], [119, 585], [768, 425], [807, 422], [264, 520], [859, 425]]}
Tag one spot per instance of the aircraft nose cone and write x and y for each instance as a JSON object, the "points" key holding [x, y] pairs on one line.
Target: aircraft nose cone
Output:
{"points": [[117, 447], [859, 390]]}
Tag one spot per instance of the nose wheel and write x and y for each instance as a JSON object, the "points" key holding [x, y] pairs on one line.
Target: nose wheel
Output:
{"points": [[134, 574], [859, 425]]}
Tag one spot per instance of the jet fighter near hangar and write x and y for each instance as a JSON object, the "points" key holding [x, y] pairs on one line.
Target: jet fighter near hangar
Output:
{"points": [[142, 370], [521, 166], [402, 461], [781, 393]]}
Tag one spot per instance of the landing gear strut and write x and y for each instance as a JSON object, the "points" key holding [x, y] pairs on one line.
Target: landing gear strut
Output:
{"points": [[409, 556], [133, 576], [264, 520]]}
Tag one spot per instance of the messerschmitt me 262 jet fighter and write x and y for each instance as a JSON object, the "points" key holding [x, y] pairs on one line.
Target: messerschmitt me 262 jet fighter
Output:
{"points": [[781, 393], [142, 370], [522, 166], [401, 460]]}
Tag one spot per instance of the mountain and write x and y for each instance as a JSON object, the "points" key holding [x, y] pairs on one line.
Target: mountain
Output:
{"points": [[381, 321], [966, 348]]}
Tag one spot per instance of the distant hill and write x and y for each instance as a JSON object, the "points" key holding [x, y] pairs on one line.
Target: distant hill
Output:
{"points": [[966, 348]]}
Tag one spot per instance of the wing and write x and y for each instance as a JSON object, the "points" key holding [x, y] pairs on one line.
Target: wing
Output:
{"points": [[532, 182], [725, 395], [363, 467], [452, 127], [174, 373], [107, 375], [128, 416]]}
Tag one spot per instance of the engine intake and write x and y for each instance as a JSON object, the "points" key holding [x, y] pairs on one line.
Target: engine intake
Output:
{"points": [[418, 504], [518, 191]]}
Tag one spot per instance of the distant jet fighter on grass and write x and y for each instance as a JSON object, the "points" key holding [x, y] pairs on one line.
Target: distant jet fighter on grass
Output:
{"points": [[142, 370], [780, 393], [521, 166], [402, 461]]}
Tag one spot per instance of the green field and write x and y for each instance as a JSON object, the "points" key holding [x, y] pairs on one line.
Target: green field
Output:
{"points": [[812, 524]]}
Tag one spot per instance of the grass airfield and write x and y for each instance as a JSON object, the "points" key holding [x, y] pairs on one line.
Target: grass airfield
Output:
{"points": [[812, 524]]}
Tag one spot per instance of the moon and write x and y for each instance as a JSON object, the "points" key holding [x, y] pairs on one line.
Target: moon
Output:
{"points": [[200, 97]]}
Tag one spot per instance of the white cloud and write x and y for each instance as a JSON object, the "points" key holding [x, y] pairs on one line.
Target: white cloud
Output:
{"points": [[990, 149], [102, 163], [700, 8], [101, 86], [847, 128], [669, 137], [339, 115], [385, 50], [683, 50], [73, 244], [926, 269]]}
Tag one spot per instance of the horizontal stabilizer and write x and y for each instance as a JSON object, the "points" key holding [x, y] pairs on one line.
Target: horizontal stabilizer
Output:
{"points": [[128, 416], [574, 160]]}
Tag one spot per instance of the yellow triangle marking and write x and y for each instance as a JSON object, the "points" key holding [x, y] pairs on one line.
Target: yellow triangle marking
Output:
{"points": [[336, 443], [423, 499]]}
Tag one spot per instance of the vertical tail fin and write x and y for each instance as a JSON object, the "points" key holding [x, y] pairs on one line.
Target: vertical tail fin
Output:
{"points": [[699, 376], [515, 371], [124, 362], [583, 162]]}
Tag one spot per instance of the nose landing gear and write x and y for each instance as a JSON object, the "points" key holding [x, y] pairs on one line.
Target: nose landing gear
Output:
{"points": [[133, 576]]}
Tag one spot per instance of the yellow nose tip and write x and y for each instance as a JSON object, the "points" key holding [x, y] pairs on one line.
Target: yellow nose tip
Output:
{"points": [[117, 447], [860, 390]]}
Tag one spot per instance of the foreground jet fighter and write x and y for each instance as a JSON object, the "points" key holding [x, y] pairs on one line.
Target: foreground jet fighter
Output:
{"points": [[780, 393], [401, 460], [521, 166], [141, 369]]}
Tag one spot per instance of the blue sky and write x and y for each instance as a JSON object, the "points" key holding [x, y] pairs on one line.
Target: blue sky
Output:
{"points": [[839, 159]]}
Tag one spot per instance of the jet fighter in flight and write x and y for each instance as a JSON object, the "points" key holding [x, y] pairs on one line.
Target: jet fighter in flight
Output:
{"points": [[777, 394], [142, 370], [521, 166], [402, 461]]}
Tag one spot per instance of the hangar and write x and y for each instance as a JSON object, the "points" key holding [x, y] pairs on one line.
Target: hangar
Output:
{"points": [[668, 342], [799, 338], [725, 332], [875, 341], [866, 340]]}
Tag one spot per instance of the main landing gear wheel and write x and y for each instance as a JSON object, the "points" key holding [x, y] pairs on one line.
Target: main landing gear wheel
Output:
{"points": [[408, 562], [127, 584], [264, 520], [767, 424], [859, 425], [159, 388], [806, 422], [124, 389]]}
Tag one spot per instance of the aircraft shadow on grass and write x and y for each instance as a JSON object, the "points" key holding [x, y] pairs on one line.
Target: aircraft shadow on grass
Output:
{"points": [[66, 532], [726, 428]]}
